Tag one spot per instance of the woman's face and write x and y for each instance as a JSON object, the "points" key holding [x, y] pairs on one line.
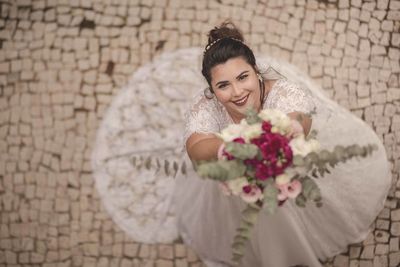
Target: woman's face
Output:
{"points": [[236, 86]]}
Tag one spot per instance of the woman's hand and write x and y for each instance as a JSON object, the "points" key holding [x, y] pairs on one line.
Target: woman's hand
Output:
{"points": [[303, 119]]}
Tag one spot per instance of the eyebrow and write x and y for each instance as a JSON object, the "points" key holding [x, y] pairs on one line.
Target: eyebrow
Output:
{"points": [[223, 82]]}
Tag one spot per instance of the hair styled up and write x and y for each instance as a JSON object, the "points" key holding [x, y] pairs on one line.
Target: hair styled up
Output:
{"points": [[225, 42]]}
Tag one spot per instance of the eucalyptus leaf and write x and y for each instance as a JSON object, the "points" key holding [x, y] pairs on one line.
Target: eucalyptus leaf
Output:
{"points": [[175, 167], [249, 218], [250, 215], [324, 155], [239, 239], [270, 202], [312, 134], [310, 189], [238, 246], [134, 161], [312, 157], [298, 161], [244, 231], [238, 252], [166, 167], [241, 151], [314, 173], [339, 151], [250, 172], [301, 200], [252, 116], [183, 168], [332, 164], [221, 170], [236, 259], [147, 163], [158, 164]]}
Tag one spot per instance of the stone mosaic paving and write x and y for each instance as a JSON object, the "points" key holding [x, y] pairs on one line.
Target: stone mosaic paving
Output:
{"points": [[61, 63]]}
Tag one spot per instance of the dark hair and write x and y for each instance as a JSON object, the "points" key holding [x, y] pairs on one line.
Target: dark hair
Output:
{"points": [[225, 42]]}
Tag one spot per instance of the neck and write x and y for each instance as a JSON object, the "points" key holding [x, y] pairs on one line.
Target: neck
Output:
{"points": [[237, 117]]}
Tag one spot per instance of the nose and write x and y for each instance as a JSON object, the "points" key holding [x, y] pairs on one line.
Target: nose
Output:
{"points": [[236, 90]]}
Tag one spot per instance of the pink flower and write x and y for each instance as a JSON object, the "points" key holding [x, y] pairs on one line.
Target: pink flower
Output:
{"points": [[221, 149], [289, 190], [251, 193], [282, 196], [225, 188]]}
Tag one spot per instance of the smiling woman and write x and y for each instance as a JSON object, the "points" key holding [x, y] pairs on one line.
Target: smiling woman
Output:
{"points": [[236, 82], [207, 219], [153, 207]]}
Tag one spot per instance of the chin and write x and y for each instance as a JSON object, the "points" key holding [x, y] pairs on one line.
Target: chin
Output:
{"points": [[251, 103], [243, 109]]}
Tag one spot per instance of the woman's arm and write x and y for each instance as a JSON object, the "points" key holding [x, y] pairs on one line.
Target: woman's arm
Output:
{"points": [[201, 146], [304, 119]]}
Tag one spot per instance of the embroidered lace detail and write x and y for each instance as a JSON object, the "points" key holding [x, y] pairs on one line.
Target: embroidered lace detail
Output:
{"points": [[205, 116], [289, 97]]}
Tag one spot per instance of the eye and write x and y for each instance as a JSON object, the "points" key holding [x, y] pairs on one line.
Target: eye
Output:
{"points": [[222, 86], [243, 77]]}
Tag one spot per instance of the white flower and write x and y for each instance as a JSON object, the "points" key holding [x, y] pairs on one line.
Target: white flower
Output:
{"points": [[280, 122], [236, 185], [283, 179], [301, 146], [252, 131], [232, 131]]}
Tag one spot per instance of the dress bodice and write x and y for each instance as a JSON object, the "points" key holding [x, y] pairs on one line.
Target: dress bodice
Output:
{"points": [[210, 116]]}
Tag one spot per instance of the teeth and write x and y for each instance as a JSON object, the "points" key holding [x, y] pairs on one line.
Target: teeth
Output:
{"points": [[241, 101]]}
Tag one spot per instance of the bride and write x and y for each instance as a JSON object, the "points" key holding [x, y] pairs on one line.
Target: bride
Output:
{"points": [[353, 194], [155, 208]]}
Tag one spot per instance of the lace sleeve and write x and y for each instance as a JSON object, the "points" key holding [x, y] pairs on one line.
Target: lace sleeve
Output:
{"points": [[202, 117], [289, 97]]}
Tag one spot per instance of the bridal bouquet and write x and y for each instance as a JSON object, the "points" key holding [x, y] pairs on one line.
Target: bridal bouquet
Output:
{"points": [[266, 160]]}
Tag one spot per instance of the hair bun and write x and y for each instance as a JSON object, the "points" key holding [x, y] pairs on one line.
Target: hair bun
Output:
{"points": [[226, 30]]}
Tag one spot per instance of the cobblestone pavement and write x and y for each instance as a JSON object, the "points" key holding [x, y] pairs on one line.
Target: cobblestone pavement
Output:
{"points": [[61, 63]]}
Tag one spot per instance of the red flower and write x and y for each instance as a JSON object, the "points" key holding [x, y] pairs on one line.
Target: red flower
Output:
{"points": [[263, 172], [247, 189], [266, 126], [239, 140], [276, 155]]}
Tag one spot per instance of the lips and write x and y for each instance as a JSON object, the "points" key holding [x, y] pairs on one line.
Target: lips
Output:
{"points": [[241, 101]]}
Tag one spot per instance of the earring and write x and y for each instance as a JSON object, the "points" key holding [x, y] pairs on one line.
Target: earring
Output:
{"points": [[208, 93], [260, 77]]}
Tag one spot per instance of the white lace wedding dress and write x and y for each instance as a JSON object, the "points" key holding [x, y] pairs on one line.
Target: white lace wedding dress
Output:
{"points": [[156, 208]]}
